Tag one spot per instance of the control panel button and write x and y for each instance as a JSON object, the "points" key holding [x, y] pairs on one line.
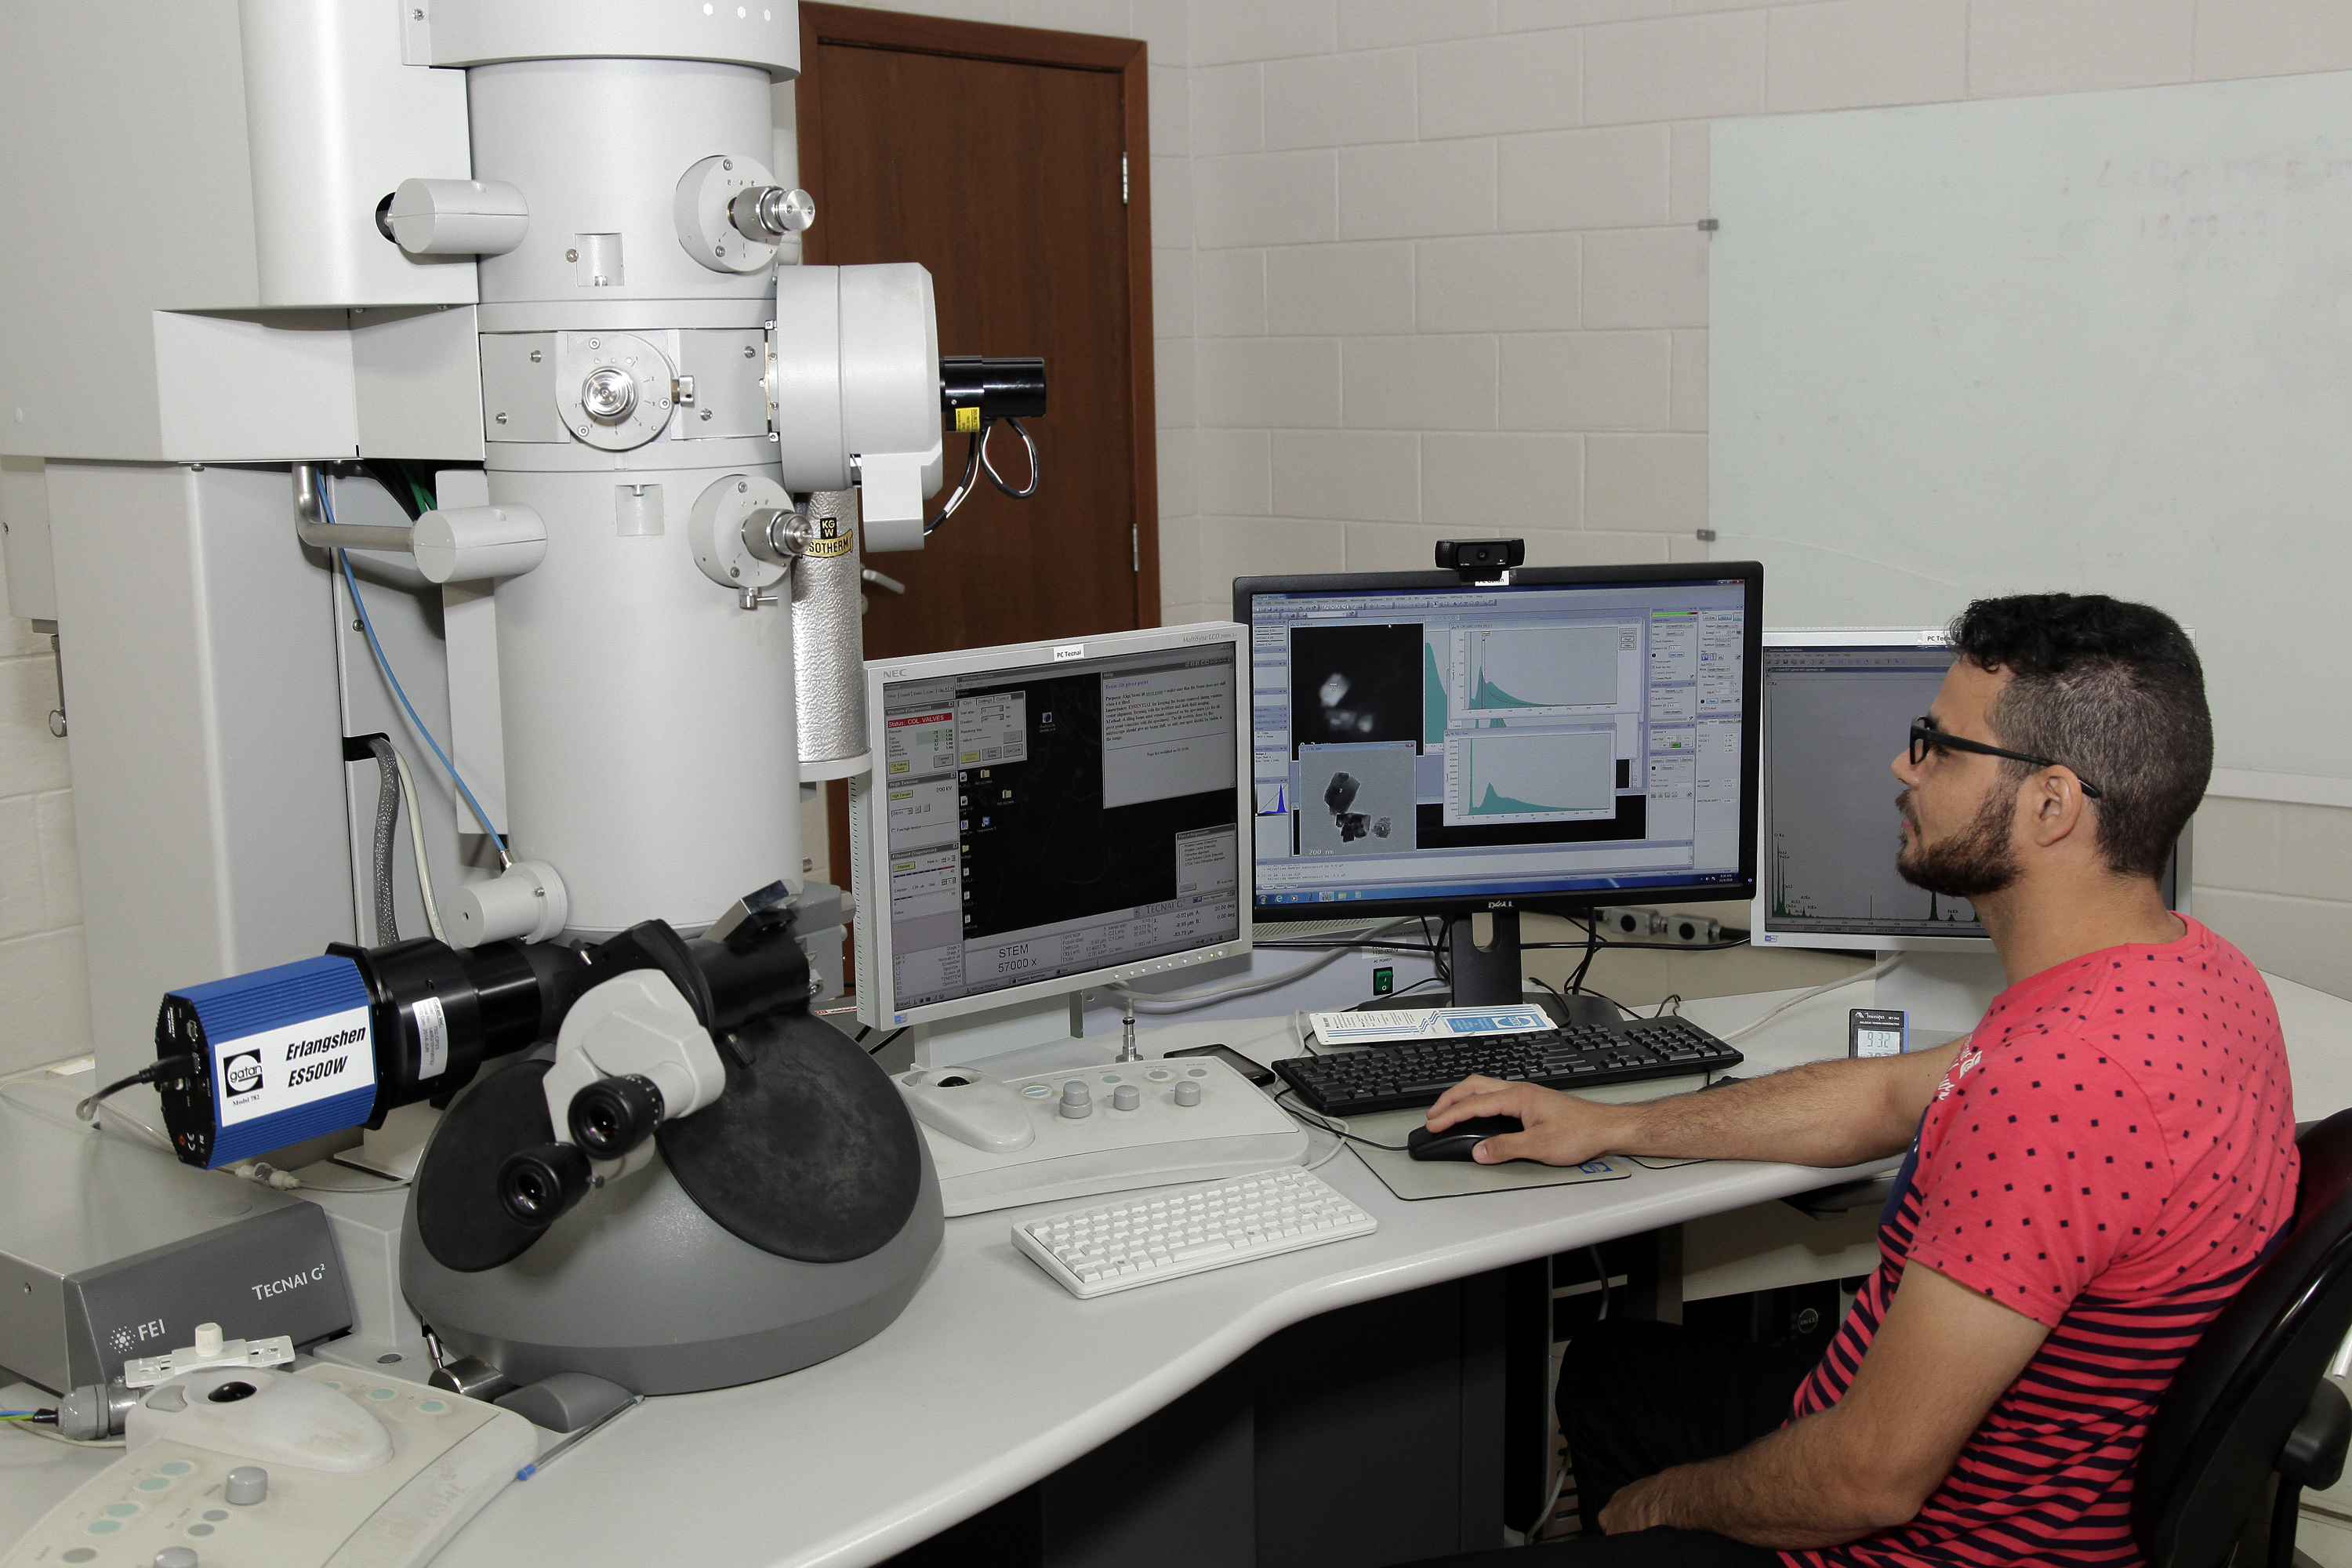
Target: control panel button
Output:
{"points": [[246, 1485], [1077, 1100], [1127, 1097], [1188, 1094]]}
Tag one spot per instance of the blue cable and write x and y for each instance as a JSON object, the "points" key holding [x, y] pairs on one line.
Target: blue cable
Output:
{"points": [[367, 623]]}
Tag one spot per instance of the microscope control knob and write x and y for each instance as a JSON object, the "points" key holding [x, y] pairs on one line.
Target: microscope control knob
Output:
{"points": [[1076, 1100], [608, 394], [1188, 1094], [246, 1485], [1125, 1097], [768, 213]]}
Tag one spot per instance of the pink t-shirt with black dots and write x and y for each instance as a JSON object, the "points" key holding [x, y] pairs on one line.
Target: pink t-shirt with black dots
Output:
{"points": [[2109, 1155]]}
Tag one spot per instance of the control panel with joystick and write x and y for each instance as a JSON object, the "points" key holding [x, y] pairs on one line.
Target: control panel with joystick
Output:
{"points": [[230, 1463], [1001, 1143]]}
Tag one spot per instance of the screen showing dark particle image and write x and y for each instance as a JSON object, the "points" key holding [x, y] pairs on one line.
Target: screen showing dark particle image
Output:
{"points": [[1059, 818]]}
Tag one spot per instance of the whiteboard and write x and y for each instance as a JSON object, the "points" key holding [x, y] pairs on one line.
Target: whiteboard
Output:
{"points": [[2097, 342]]}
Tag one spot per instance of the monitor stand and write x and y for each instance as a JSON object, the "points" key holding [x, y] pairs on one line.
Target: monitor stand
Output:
{"points": [[1492, 976]]}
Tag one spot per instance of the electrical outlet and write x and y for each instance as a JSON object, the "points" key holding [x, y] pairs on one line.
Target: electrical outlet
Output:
{"points": [[1697, 931], [1632, 925]]}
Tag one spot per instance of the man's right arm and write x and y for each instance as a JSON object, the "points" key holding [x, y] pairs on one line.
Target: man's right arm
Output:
{"points": [[1826, 1113]]}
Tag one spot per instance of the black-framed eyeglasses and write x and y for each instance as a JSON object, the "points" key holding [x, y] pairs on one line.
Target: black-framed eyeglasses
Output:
{"points": [[1926, 738]]}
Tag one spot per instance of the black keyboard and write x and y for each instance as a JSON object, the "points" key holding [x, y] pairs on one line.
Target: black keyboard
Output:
{"points": [[1398, 1078]]}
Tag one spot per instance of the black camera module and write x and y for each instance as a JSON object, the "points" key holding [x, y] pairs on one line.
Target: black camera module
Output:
{"points": [[1480, 560]]}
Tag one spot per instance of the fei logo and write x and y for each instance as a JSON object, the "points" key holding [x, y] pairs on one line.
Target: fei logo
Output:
{"points": [[242, 1072]]}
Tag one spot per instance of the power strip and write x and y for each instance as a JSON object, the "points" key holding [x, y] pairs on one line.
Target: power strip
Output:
{"points": [[1648, 925]]}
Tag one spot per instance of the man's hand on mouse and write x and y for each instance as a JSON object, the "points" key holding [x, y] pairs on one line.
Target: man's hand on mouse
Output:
{"points": [[1561, 1128]]}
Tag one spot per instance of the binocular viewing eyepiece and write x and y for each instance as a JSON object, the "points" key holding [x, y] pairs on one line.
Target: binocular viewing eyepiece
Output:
{"points": [[609, 1119]]}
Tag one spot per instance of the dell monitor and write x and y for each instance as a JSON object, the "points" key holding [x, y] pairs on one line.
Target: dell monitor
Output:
{"points": [[1049, 816], [1557, 740]]}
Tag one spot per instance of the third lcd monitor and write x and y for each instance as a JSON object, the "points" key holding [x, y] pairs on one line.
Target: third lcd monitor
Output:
{"points": [[1568, 737]]}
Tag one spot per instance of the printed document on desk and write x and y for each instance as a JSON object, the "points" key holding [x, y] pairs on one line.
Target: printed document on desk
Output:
{"points": [[1387, 1029]]}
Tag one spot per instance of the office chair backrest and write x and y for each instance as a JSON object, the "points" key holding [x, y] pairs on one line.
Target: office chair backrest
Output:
{"points": [[2240, 1391]]}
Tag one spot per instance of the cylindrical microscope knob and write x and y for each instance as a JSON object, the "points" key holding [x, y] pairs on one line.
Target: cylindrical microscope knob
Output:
{"points": [[608, 394], [768, 213]]}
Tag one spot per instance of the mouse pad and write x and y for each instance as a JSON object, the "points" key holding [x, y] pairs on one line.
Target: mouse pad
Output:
{"points": [[1412, 1179]]}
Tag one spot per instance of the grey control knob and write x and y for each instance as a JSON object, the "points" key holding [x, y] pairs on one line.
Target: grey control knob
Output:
{"points": [[175, 1557], [246, 1485], [1125, 1097], [608, 394], [768, 213], [1188, 1094], [1076, 1100]]}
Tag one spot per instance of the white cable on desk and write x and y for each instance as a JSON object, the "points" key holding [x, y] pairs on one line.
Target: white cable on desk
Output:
{"points": [[1184, 1001], [21, 1081], [54, 1436], [1873, 973], [1559, 1485]]}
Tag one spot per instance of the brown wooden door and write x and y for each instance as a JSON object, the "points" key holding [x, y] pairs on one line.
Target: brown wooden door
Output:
{"points": [[993, 156]]}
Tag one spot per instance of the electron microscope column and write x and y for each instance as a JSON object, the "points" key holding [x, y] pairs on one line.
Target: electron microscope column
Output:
{"points": [[647, 665]]}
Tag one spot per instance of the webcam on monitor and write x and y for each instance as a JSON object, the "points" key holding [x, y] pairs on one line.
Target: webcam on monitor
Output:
{"points": [[1480, 560]]}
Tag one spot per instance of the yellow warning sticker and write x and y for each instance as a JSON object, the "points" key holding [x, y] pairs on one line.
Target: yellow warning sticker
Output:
{"points": [[967, 421]]}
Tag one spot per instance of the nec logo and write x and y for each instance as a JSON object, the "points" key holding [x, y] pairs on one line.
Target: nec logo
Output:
{"points": [[1502, 903]]}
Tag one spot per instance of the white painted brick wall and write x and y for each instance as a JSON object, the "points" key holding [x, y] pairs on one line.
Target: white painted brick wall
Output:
{"points": [[44, 989], [1429, 267], [1509, 301]]}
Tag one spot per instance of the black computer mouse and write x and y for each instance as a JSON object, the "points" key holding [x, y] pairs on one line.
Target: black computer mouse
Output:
{"points": [[1456, 1141]]}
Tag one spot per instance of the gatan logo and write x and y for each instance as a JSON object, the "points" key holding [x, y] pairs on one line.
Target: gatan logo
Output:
{"points": [[242, 1072]]}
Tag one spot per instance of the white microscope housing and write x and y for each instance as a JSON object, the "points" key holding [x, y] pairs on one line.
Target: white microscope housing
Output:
{"points": [[272, 261]]}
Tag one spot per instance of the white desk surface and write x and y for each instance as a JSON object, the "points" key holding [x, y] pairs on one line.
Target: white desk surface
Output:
{"points": [[994, 1377]]}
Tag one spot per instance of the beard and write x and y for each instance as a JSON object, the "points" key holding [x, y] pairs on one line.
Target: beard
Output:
{"points": [[1970, 863]]}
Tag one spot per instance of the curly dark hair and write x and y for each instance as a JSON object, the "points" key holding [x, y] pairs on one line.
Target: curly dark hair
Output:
{"points": [[2113, 690]]}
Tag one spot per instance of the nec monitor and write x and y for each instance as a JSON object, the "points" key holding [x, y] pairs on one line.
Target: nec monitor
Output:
{"points": [[1049, 816], [1836, 706]]}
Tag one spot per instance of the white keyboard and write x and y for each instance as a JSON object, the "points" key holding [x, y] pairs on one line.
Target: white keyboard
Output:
{"points": [[1169, 1233]]}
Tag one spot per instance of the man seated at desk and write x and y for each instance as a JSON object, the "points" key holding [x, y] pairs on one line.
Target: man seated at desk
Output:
{"points": [[2092, 1171]]}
